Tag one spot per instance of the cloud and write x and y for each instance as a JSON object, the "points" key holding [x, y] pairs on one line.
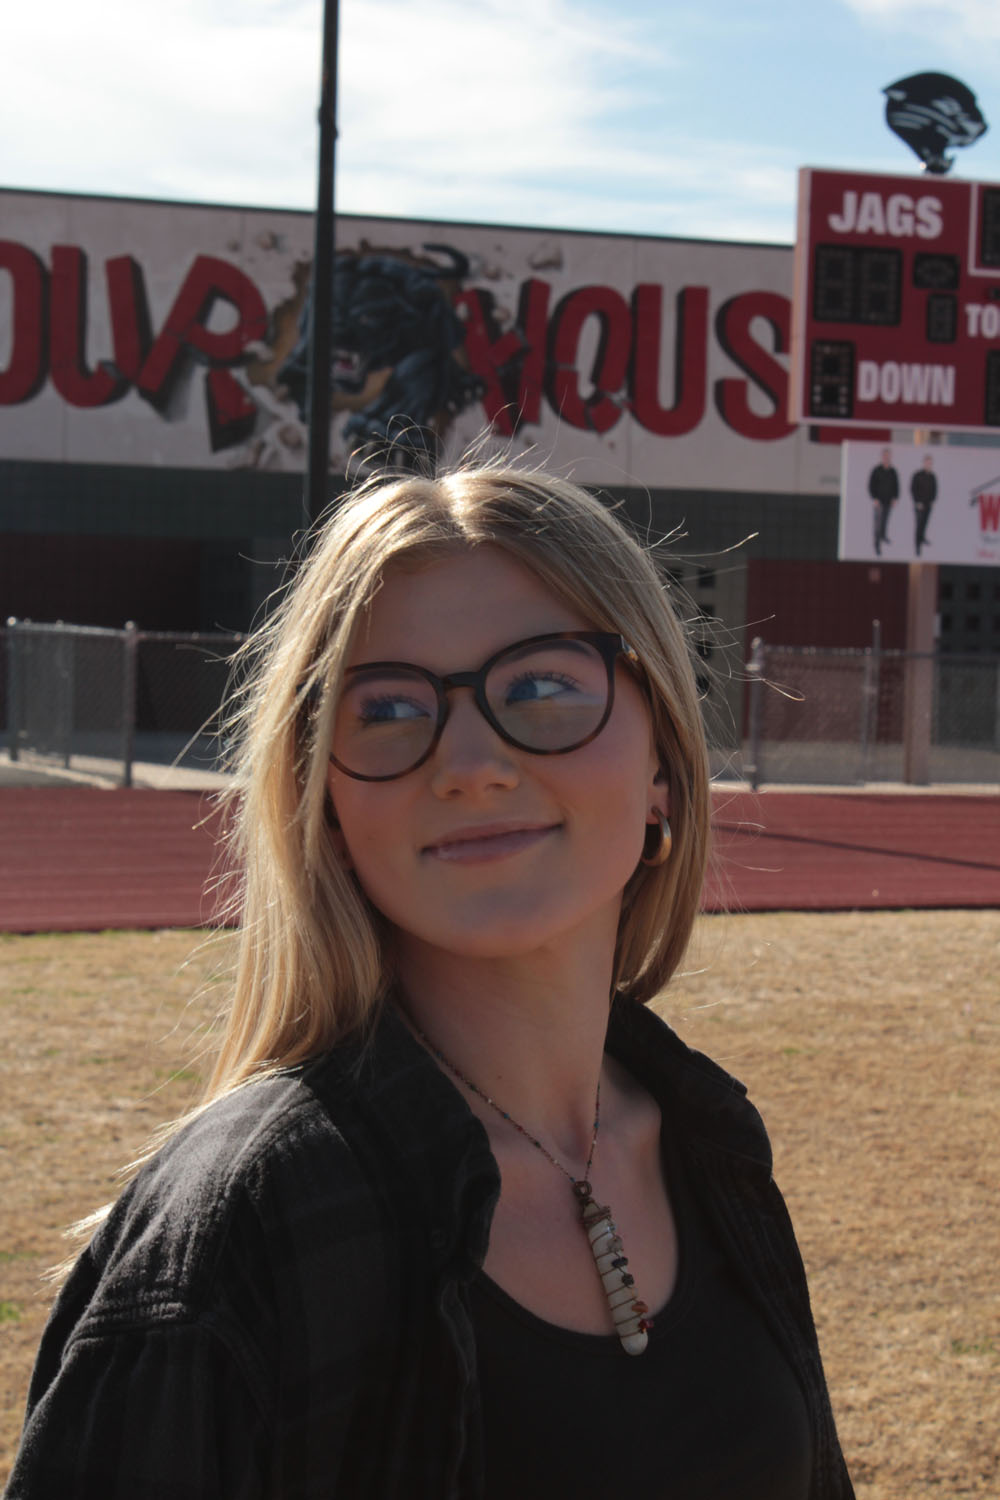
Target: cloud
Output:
{"points": [[523, 86], [537, 113], [951, 24], [133, 97], [527, 111], [128, 95]]}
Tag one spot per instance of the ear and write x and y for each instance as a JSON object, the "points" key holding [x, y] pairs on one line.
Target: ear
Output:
{"points": [[657, 793]]}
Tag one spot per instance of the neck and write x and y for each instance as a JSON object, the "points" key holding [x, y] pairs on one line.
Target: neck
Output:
{"points": [[530, 1034]]}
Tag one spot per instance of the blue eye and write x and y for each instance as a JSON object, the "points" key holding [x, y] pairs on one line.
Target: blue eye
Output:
{"points": [[390, 710], [534, 687]]}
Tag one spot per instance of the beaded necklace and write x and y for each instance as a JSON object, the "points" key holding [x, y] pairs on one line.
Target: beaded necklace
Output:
{"points": [[629, 1313]]}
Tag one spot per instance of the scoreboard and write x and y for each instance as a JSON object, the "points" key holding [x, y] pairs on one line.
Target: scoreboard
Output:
{"points": [[896, 310]]}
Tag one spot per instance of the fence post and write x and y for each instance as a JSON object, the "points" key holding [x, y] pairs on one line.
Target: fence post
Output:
{"points": [[130, 648], [869, 699], [13, 687], [755, 689], [65, 658], [918, 680]]}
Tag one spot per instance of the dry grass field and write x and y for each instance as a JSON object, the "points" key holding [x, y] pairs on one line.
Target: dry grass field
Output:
{"points": [[870, 1042]]}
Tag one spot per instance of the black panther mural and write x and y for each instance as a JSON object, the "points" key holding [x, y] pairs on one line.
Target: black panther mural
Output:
{"points": [[933, 113], [398, 364]]}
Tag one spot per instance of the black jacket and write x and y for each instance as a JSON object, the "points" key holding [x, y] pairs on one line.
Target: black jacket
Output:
{"points": [[923, 487], [883, 483], [277, 1307]]}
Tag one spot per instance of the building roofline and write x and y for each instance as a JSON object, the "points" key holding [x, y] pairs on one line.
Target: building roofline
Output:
{"points": [[258, 208]]}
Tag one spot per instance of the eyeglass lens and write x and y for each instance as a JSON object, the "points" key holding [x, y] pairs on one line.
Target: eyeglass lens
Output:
{"points": [[549, 696]]}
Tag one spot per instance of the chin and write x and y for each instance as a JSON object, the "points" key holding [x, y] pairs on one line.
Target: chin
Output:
{"points": [[488, 942], [520, 934]]}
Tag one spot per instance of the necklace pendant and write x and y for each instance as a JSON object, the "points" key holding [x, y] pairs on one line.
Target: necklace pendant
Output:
{"points": [[629, 1313]]}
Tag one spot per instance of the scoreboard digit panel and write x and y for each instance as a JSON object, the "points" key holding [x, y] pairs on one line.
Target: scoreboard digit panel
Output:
{"points": [[896, 314]]}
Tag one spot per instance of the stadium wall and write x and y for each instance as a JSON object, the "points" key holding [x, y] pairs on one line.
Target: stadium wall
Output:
{"points": [[152, 400]]}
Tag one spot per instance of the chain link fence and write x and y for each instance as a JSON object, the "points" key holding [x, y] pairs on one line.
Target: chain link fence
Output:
{"points": [[836, 717], [103, 701]]}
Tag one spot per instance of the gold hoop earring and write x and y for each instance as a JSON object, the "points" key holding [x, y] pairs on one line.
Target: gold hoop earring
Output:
{"points": [[659, 841]]}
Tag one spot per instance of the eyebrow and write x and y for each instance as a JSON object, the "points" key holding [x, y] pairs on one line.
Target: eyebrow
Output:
{"points": [[516, 652], [382, 669]]}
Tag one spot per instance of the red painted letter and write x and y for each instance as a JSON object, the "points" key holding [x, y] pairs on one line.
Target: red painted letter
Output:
{"points": [[232, 413], [602, 408], [732, 328], [490, 355], [76, 383], [129, 314], [25, 375], [186, 331], [690, 360]]}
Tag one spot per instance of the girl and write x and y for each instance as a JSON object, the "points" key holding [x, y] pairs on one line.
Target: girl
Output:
{"points": [[460, 1217]]}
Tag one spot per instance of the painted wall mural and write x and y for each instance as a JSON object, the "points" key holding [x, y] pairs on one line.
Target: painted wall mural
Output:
{"points": [[173, 334]]}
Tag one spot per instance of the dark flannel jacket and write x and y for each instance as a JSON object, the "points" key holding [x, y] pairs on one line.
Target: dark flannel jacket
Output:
{"points": [[277, 1307]]}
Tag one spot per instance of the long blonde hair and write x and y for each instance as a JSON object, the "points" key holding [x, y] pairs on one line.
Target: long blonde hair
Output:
{"points": [[312, 962]]}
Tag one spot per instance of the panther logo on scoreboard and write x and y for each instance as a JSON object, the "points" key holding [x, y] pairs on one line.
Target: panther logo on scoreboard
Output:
{"points": [[933, 113]]}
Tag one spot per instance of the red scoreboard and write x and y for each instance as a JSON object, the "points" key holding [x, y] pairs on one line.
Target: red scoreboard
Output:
{"points": [[896, 312]]}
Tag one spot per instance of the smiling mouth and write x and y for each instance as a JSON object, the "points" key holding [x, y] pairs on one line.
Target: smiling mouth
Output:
{"points": [[479, 846]]}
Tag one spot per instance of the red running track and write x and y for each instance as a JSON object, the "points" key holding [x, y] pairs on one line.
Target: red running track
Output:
{"points": [[808, 851], [80, 859], [83, 858]]}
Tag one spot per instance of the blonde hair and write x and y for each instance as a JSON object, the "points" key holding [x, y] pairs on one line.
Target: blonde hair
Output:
{"points": [[312, 963]]}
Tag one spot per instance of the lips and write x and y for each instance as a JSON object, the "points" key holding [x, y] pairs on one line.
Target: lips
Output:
{"points": [[491, 841]]}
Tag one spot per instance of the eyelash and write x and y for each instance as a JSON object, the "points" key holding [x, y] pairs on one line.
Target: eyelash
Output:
{"points": [[367, 716], [563, 678]]}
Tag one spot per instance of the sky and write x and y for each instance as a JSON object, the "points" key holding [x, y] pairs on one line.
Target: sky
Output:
{"points": [[640, 116]]}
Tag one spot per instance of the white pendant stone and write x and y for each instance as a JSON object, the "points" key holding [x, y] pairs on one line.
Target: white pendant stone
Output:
{"points": [[635, 1343], [628, 1311]]}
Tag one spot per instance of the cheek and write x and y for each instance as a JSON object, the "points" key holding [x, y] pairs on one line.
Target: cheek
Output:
{"points": [[611, 793], [370, 832], [351, 813], [628, 758]]}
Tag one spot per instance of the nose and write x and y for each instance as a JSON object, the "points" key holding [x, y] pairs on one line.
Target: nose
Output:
{"points": [[470, 757]]}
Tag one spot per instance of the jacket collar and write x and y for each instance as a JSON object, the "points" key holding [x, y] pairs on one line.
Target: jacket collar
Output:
{"points": [[421, 1123], [422, 1129], [708, 1104]]}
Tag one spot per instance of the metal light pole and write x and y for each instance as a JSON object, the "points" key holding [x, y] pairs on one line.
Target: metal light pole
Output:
{"points": [[318, 460]]}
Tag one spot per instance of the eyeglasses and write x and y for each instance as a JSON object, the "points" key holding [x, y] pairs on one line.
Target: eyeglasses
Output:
{"points": [[547, 694]]}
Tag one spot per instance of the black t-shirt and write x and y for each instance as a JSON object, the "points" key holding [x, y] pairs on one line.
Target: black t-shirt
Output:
{"points": [[710, 1411]]}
